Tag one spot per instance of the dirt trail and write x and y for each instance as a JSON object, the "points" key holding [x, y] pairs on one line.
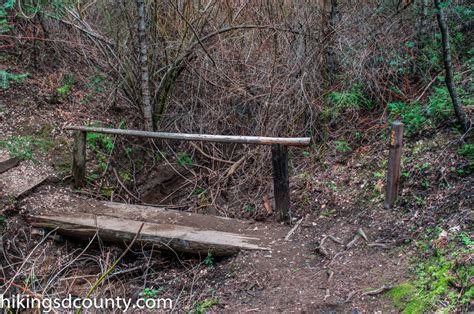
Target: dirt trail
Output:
{"points": [[294, 275]]}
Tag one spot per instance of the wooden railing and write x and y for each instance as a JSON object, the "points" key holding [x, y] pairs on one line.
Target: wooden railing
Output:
{"points": [[279, 155]]}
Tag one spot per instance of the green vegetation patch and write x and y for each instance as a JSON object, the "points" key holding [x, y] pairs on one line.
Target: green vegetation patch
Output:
{"points": [[205, 305], [346, 100], [6, 78], [442, 280], [417, 117], [22, 147], [467, 150], [5, 27]]}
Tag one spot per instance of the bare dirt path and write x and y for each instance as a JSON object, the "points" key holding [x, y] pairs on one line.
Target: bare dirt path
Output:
{"points": [[297, 274]]}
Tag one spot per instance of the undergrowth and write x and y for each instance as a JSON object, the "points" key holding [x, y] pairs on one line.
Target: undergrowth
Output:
{"points": [[6, 78], [418, 117], [443, 274], [23, 147], [346, 100]]}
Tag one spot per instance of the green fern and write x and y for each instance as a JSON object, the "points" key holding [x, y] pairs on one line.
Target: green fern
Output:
{"points": [[7, 77], [4, 25]]}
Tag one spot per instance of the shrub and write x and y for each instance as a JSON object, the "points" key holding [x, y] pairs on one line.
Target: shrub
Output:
{"points": [[342, 146], [412, 116], [65, 89], [467, 150], [4, 25], [22, 146], [6, 78], [439, 105], [342, 101]]}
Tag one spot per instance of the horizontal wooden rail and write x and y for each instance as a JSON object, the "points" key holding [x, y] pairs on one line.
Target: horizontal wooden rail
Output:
{"points": [[258, 140]]}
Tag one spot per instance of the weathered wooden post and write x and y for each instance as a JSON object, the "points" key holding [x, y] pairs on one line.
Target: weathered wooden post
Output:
{"points": [[394, 158], [79, 159], [281, 185]]}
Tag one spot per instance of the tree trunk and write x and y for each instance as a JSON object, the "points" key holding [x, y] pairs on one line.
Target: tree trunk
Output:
{"points": [[331, 62], [147, 108], [448, 66]]}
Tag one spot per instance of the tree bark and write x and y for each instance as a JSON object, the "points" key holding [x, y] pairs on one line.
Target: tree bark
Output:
{"points": [[147, 107], [331, 62], [448, 66]]}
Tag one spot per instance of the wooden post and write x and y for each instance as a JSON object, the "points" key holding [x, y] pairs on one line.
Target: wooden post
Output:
{"points": [[79, 159], [393, 174], [281, 186]]}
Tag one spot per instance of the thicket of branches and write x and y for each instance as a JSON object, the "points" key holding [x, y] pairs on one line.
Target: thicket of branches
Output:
{"points": [[267, 68], [324, 69]]}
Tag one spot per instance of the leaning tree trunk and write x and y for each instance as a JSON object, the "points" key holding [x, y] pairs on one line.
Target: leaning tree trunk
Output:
{"points": [[147, 108], [448, 66]]}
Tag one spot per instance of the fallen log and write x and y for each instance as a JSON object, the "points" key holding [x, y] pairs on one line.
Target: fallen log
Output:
{"points": [[163, 235]]}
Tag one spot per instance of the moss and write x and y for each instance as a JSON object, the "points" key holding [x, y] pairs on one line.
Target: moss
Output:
{"points": [[401, 294], [406, 298], [442, 281]]}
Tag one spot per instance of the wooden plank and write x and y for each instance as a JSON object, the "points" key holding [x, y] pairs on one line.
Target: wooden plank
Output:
{"points": [[57, 203], [20, 180], [258, 140], [164, 236], [394, 164], [281, 185], [79, 159], [7, 162]]}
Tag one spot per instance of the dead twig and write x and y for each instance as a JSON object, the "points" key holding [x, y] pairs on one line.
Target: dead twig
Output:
{"points": [[26, 260], [359, 234], [339, 241], [293, 229], [123, 185], [327, 295], [349, 297], [352, 242], [381, 245], [209, 156], [235, 166], [112, 267], [330, 275]]}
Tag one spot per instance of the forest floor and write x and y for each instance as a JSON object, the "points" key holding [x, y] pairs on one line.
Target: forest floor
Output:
{"points": [[348, 253]]}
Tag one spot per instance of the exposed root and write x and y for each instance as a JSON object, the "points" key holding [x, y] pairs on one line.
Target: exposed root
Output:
{"points": [[379, 290], [293, 229]]}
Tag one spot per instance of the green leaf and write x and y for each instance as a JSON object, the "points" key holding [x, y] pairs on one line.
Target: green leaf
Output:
{"points": [[409, 44], [6, 78], [9, 4], [185, 160]]}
